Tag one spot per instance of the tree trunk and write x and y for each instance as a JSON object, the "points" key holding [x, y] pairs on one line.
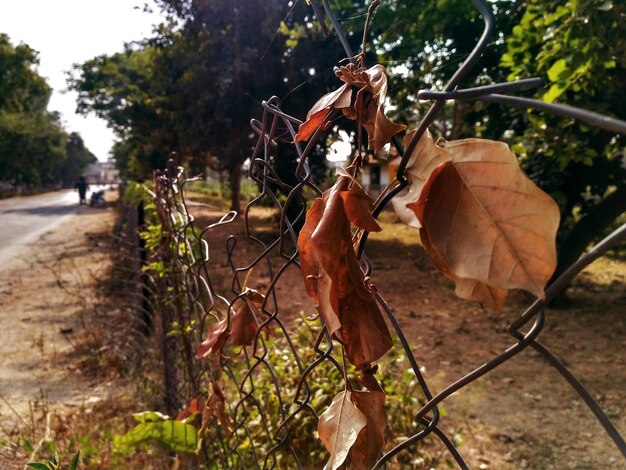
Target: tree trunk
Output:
{"points": [[235, 187], [458, 115], [590, 228]]}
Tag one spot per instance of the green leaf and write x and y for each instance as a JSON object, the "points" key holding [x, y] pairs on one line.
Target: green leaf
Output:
{"points": [[558, 71], [74, 462], [554, 92], [39, 466], [173, 435]]}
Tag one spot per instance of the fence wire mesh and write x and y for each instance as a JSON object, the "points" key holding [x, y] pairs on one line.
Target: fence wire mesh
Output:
{"points": [[267, 394]]}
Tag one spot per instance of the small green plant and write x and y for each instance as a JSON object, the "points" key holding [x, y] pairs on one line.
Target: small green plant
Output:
{"points": [[54, 463], [155, 427]]}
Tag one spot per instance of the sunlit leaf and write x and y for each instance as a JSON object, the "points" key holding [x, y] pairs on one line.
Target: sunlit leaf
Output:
{"points": [[155, 427], [339, 427], [485, 221]]}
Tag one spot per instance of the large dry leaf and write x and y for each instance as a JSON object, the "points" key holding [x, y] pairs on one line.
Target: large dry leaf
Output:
{"points": [[422, 162], [216, 339], [339, 427], [487, 222], [368, 106], [371, 440], [333, 277], [244, 325], [469, 289]]}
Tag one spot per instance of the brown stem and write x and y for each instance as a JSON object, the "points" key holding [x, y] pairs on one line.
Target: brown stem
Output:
{"points": [[370, 12]]}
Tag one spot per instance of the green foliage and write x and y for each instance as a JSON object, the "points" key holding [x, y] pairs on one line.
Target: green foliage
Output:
{"points": [[579, 45], [155, 427], [54, 463], [220, 193], [34, 148], [136, 193]]}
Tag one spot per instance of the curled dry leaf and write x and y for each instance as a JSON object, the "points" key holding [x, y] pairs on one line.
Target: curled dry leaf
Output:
{"points": [[216, 339], [242, 331], [195, 407], [484, 223], [333, 277], [215, 407], [368, 106], [339, 427], [371, 440], [244, 325], [337, 99]]}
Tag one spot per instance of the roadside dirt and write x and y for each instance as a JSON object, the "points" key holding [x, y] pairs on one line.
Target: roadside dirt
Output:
{"points": [[61, 388], [521, 415]]}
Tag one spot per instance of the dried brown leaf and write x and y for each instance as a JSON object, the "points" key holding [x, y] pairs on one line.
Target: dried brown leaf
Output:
{"points": [[244, 325], [368, 106], [358, 206], [216, 339], [468, 289], [337, 99], [371, 440], [215, 407], [488, 221], [195, 407], [334, 279], [339, 427]]}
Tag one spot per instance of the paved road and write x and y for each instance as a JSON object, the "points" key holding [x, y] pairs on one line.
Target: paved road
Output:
{"points": [[24, 219]]}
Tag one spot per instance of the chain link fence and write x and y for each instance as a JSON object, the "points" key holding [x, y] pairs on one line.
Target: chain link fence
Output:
{"points": [[262, 393]]}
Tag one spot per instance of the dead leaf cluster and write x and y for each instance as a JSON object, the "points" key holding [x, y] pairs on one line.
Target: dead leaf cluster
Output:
{"points": [[367, 105], [333, 277]]}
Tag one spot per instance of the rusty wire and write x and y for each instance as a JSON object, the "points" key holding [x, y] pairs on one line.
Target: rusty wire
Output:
{"points": [[266, 414]]}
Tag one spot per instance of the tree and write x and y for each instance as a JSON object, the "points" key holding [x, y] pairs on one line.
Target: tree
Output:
{"points": [[579, 45], [22, 89], [77, 157], [34, 148], [193, 88]]}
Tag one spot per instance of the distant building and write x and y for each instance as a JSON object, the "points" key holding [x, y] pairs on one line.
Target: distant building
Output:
{"points": [[376, 174], [103, 173]]}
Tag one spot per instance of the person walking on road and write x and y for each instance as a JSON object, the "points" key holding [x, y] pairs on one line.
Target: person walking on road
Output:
{"points": [[82, 186]]}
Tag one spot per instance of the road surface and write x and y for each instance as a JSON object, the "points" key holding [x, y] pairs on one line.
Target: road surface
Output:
{"points": [[24, 219]]}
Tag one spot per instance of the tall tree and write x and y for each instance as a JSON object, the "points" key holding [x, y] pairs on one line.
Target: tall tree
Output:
{"points": [[33, 149], [193, 88], [77, 157], [579, 45]]}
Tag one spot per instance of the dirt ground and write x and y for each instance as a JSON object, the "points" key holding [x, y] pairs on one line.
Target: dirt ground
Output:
{"points": [[60, 387], [521, 415]]}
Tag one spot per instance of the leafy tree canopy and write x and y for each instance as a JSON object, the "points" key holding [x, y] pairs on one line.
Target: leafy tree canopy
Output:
{"points": [[34, 148]]}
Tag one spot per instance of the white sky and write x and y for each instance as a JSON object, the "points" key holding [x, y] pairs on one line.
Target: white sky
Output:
{"points": [[72, 31]]}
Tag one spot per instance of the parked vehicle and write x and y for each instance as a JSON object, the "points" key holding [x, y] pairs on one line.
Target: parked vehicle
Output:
{"points": [[97, 199]]}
